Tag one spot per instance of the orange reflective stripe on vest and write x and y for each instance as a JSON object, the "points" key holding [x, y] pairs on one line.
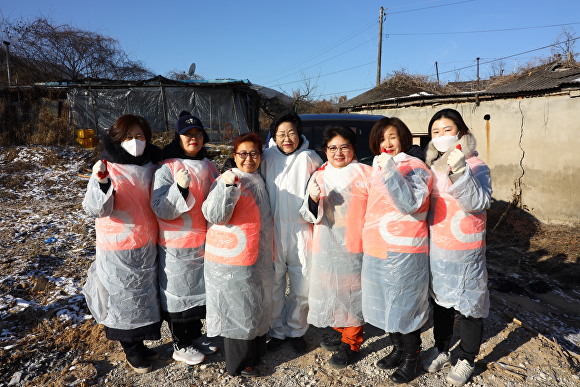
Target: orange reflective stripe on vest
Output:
{"points": [[387, 229], [135, 225], [187, 230], [236, 243], [455, 229]]}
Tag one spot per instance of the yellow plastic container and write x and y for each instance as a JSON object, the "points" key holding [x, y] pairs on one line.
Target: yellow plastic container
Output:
{"points": [[85, 133], [90, 142]]}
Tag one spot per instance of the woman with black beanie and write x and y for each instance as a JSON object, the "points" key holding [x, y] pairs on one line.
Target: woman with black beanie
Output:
{"points": [[180, 186]]}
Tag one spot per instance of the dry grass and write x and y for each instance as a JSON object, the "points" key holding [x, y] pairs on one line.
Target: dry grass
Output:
{"points": [[401, 80], [50, 130]]}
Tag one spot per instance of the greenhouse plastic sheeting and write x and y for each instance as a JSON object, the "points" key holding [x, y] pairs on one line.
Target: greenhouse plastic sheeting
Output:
{"points": [[225, 112]]}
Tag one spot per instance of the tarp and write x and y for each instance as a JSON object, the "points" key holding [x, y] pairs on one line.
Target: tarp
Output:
{"points": [[226, 110]]}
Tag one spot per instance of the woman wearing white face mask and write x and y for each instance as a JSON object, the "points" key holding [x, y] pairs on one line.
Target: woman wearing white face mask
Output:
{"points": [[457, 220], [121, 286]]}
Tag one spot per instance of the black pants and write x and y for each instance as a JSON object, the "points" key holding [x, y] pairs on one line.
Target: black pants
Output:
{"points": [[243, 353], [470, 332], [185, 326]]}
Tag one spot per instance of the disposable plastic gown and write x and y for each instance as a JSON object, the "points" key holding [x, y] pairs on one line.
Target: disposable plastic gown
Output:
{"points": [[238, 258], [335, 297], [457, 222], [182, 229], [395, 273], [121, 287], [286, 177]]}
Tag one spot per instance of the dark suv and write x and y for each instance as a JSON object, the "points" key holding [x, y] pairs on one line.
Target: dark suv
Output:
{"points": [[313, 126]]}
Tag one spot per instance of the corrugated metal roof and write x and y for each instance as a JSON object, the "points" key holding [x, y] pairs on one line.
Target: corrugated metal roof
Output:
{"points": [[539, 79]]}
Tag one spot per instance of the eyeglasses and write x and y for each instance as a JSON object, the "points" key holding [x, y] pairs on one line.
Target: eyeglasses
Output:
{"points": [[281, 136], [193, 135], [243, 155], [343, 148]]}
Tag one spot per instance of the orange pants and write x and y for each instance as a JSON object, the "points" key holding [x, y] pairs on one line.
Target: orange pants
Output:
{"points": [[353, 336]]}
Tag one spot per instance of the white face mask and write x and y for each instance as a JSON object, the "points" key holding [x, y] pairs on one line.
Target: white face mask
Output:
{"points": [[443, 143], [134, 147]]}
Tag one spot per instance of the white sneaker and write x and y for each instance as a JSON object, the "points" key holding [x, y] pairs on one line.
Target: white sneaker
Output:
{"points": [[205, 346], [189, 355], [436, 361], [460, 373]]}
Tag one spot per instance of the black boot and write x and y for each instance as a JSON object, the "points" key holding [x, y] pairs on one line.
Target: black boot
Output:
{"points": [[409, 368], [135, 358], [394, 358]]}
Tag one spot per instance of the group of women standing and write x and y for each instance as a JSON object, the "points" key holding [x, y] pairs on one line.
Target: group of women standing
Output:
{"points": [[392, 239], [386, 240]]}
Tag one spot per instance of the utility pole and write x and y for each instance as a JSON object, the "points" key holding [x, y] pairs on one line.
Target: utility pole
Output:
{"points": [[478, 74], [380, 46], [7, 43], [437, 71]]}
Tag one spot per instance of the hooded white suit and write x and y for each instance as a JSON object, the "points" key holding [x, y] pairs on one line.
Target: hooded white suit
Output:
{"points": [[286, 177]]}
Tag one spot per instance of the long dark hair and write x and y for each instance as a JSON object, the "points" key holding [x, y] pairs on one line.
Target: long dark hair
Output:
{"points": [[454, 116]]}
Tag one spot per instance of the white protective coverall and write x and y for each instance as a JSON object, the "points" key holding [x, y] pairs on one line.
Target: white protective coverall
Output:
{"points": [[457, 221], [238, 258], [286, 177], [395, 273], [182, 229], [335, 297], [121, 286]]}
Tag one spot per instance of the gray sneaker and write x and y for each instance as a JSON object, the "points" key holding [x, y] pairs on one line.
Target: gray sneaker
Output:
{"points": [[189, 355], [436, 361], [460, 373]]}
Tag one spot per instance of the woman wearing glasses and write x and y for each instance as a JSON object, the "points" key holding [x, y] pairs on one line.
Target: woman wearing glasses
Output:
{"points": [[395, 272], [238, 267], [336, 202], [121, 286], [180, 186], [287, 166]]}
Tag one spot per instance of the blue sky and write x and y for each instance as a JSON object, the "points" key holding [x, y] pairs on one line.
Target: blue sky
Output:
{"points": [[330, 44]]}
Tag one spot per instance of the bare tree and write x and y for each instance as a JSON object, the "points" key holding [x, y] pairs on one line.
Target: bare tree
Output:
{"points": [[498, 68], [564, 46], [304, 96], [55, 52]]}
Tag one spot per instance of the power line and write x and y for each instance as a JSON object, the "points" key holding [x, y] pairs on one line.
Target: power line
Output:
{"points": [[324, 75], [331, 47], [434, 6], [480, 31], [316, 64], [505, 57], [340, 92]]}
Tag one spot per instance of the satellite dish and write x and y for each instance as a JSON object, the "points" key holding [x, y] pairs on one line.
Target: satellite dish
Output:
{"points": [[191, 70]]}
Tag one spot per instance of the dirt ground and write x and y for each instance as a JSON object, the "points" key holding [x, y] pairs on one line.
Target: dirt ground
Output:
{"points": [[531, 337]]}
